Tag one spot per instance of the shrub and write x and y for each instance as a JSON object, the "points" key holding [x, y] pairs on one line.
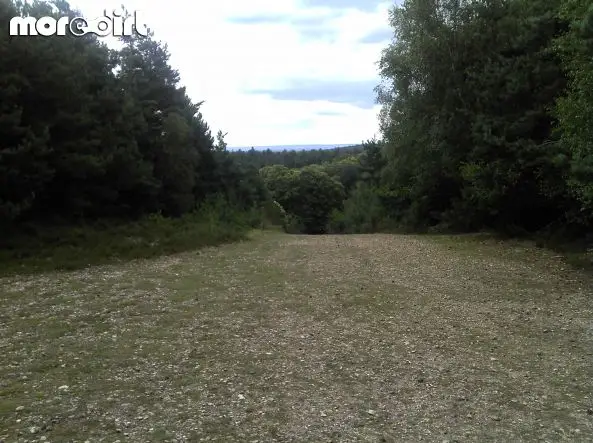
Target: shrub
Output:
{"points": [[314, 195], [40, 248], [293, 224], [337, 222], [273, 214], [363, 211], [310, 194]]}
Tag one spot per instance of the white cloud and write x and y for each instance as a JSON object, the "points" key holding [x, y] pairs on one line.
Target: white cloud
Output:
{"points": [[219, 60]]}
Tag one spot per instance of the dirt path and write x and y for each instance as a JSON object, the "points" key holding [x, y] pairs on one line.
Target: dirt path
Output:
{"points": [[293, 338]]}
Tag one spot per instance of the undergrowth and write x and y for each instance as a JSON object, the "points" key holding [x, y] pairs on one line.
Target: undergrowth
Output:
{"points": [[33, 248]]}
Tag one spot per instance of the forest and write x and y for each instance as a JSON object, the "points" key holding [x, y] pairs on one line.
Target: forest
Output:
{"points": [[486, 124]]}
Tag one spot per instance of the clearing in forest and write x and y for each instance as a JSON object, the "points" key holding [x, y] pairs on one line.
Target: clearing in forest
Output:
{"points": [[303, 338]]}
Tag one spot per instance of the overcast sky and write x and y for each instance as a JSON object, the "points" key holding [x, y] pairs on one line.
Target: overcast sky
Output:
{"points": [[274, 72]]}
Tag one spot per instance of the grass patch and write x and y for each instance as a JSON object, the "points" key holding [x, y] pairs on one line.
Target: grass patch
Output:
{"points": [[34, 248], [578, 254]]}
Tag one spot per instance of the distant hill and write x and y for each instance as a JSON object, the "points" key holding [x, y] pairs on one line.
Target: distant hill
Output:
{"points": [[291, 147]]}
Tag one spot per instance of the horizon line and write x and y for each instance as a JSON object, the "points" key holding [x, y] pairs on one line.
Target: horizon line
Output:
{"points": [[337, 145]]}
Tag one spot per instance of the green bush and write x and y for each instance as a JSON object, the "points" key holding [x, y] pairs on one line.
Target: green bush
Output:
{"points": [[273, 214], [363, 211], [309, 194], [38, 248], [337, 222], [293, 224], [314, 195]]}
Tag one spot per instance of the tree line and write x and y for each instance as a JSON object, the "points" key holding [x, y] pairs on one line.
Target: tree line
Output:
{"points": [[88, 132], [329, 197], [291, 158], [486, 123], [487, 115]]}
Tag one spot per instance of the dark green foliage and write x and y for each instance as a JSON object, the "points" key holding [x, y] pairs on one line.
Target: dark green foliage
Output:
{"points": [[278, 180], [293, 158], [337, 196], [336, 223], [362, 212], [293, 225], [37, 247], [468, 115], [575, 108], [487, 122], [347, 170], [273, 214], [88, 133], [372, 161], [307, 195], [313, 196]]}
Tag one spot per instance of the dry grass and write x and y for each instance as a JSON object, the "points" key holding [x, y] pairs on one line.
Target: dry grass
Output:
{"points": [[293, 338]]}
